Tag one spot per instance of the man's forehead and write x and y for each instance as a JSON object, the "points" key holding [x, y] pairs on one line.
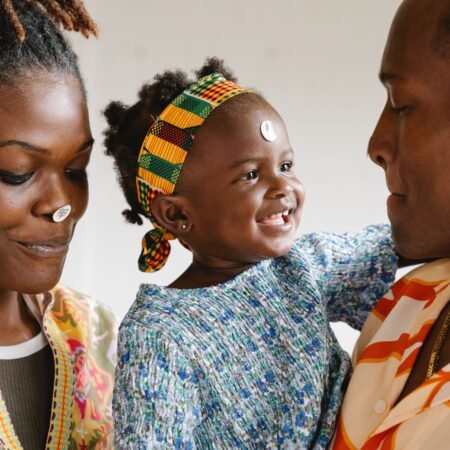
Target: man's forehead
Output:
{"points": [[419, 19], [410, 42]]}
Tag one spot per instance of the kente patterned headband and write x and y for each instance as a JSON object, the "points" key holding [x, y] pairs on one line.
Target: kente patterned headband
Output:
{"points": [[164, 151]]}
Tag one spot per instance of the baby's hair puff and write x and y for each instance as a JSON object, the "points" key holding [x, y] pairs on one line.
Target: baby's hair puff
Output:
{"points": [[128, 125]]}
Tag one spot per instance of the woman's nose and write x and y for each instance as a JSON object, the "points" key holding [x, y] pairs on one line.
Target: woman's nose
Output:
{"points": [[52, 195]]}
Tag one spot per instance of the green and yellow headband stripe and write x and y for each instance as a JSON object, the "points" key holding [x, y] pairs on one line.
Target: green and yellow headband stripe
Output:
{"points": [[164, 151]]}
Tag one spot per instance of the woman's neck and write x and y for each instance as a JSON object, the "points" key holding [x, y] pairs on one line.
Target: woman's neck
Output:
{"points": [[199, 274], [16, 321]]}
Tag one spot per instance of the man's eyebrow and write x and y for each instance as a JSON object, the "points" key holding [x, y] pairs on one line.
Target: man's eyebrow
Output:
{"points": [[35, 148], [385, 77]]}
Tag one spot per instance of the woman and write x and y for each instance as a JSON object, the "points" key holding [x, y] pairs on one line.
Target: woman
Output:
{"points": [[56, 346]]}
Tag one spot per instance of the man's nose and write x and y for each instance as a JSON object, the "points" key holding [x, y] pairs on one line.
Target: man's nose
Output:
{"points": [[382, 142]]}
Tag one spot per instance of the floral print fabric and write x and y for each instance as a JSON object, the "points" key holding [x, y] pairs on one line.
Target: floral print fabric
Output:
{"points": [[251, 363], [82, 335]]}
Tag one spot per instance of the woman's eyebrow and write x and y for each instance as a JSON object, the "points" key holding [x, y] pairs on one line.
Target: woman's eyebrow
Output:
{"points": [[24, 145], [36, 148], [86, 145]]}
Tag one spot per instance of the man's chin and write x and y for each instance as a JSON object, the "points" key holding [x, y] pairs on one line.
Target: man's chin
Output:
{"points": [[415, 248]]}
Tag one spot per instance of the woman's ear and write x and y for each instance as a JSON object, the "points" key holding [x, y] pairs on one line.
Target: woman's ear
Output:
{"points": [[171, 212]]}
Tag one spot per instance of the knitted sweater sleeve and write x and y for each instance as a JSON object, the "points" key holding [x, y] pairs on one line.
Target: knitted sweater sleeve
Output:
{"points": [[352, 270], [156, 399]]}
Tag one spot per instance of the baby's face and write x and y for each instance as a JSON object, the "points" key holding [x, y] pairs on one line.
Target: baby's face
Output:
{"points": [[244, 198]]}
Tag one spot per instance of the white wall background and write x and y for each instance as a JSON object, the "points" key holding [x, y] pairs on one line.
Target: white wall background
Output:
{"points": [[316, 61]]}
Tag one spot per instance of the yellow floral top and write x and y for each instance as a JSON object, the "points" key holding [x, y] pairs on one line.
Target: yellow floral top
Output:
{"points": [[82, 335]]}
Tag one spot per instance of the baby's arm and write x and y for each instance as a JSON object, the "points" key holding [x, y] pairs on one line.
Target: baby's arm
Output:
{"points": [[353, 270], [156, 399]]}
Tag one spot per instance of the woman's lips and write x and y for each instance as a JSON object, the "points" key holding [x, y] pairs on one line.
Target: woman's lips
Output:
{"points": [[45, 249]]}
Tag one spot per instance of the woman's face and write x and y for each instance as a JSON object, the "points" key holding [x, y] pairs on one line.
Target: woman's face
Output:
{"points": [[45, 145]]}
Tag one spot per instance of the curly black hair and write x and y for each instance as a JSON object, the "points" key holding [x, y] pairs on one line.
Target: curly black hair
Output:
{"points": [[128, 125], [30, 37]]}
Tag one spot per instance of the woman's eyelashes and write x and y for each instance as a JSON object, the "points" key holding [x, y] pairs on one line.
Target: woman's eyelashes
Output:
{"points": [[17, 179], [14, 179], [77, 175]]}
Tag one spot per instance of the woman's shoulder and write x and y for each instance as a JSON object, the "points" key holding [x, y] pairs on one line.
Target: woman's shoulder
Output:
{"points": [[86, 304], [83, 314]]}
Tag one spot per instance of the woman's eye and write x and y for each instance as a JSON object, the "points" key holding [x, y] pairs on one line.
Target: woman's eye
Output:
{"points": [[76, 174], [14, 178], [287, 166], [252, 175]]}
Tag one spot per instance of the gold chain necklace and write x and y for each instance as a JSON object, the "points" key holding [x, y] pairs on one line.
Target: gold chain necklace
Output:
{"points": [[437, 347]]}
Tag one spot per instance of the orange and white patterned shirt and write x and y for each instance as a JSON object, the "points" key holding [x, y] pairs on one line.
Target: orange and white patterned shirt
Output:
{"points": [[384, 355], [82, 335]]}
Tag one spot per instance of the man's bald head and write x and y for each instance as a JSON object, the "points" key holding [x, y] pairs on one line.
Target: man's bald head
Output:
{"points": [[441, 37], [411, 141], [432, 18]]}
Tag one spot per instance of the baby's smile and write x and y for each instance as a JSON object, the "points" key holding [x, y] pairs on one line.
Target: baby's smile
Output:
{"points": [[277, 218]]}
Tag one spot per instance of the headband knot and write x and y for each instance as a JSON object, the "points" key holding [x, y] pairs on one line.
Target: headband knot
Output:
{"points": [[155, 250], [165, 149]]}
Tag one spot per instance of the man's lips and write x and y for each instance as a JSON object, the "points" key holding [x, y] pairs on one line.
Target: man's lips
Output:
{"points": [[395, 194], [394, 188]]}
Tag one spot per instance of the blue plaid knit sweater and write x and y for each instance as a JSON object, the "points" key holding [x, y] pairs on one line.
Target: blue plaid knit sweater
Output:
{"points": [[251, 363]]}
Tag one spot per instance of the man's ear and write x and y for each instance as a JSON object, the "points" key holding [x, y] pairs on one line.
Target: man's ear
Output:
{"points": [[171, 212]]}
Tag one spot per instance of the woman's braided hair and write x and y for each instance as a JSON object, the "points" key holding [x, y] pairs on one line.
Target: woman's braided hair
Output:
{"points": [[30, 37], [70, 14], [128, 125]]}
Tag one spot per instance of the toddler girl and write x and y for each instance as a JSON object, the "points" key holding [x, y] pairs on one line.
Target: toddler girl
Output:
{"points": [[237, 353]]}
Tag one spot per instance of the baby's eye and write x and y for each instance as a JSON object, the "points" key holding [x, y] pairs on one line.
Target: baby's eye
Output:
{"points": [[252, 175], [287, 166]]}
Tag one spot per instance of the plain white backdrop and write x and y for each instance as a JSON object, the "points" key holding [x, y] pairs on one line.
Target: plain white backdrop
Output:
{"points": [[316, 61]]}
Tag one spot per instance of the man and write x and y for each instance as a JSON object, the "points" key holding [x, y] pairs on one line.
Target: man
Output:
{"points": [[399, 395]]}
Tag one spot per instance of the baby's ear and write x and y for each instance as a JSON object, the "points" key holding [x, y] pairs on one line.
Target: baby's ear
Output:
{"points": [[170, 211]]}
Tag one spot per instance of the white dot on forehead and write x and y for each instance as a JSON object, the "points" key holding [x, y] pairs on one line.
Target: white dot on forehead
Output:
{"points": [[268, 131]]}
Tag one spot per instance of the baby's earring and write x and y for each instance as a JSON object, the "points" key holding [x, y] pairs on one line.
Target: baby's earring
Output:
{"points": [[184, 227]]}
